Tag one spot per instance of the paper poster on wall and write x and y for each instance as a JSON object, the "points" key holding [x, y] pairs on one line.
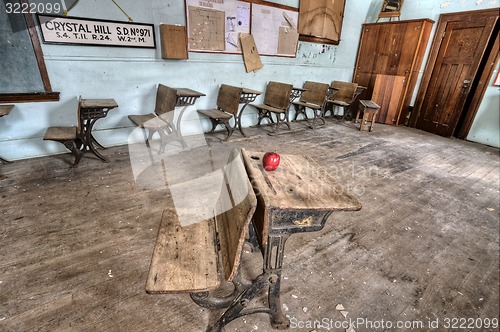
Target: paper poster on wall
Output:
{"points": [[287, 41], [219, 20], [275, 30], [206, 29]]}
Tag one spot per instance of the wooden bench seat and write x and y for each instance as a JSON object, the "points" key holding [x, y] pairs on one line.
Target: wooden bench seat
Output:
{"points": [[313, 98], [216, 114], [158, 121], [69, 136], [277, 102], [61, 133], [148, 121], [269, 108], [228, 100], [346, 94], [306, 104], [185, 258]]}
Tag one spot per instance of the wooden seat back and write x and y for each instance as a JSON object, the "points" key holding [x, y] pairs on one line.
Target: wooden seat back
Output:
{"points": [[228, 99], [278, 95], [235, 208], [166, 98], [79, 115], [185, 257], [315, 93], [346, 91]]}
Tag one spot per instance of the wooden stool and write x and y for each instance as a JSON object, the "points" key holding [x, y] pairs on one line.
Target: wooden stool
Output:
{"points": [[370, 112]]}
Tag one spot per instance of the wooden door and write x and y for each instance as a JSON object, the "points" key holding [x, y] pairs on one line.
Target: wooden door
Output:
{"points": [[460, 51]]}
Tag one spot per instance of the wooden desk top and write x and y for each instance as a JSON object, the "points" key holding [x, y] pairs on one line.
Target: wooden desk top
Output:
{"points": [[5, 109], [98, 103], [185, 92], [250, 91], [297, 183], [369, 104]]}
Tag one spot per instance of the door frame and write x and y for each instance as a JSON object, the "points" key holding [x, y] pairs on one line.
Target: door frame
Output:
{"points": [[479, 89]]}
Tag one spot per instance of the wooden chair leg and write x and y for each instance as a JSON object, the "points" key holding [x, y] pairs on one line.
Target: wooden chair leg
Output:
{"points": [[357, 116]]}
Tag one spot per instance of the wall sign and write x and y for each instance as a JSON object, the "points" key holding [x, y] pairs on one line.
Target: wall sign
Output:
{"points": [[82, 31]]}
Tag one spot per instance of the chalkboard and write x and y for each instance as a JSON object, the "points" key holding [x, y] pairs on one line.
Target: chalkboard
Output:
{"points": [[23, 75], [18, 63]]}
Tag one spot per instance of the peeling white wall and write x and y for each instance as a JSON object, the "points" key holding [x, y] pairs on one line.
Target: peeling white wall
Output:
{"points": [[486, 126], [130, 75]]}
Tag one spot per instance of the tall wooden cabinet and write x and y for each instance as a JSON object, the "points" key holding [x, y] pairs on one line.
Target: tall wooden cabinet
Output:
{"points": [[392, 48]]}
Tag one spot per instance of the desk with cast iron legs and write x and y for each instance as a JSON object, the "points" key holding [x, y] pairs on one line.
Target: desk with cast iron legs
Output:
{"points": [[247, 96], [92, 110], [185, 98], [297, 197]]}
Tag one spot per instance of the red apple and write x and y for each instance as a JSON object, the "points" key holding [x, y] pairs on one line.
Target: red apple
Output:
{"points": [[271, 160]]}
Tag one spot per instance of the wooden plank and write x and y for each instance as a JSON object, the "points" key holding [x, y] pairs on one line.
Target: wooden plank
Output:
{"points": [[238, 203], [387, 93], [278, 95], [315, 93], [299, 183], [98, 103], [184, 258], [173, 41], [29, 97], [5, 109], [345, 91], [228, 99], [251, 55]]}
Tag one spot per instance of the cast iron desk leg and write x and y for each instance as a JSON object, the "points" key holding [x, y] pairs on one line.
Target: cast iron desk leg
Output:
{"points": [[271, 277], [88, 141]]}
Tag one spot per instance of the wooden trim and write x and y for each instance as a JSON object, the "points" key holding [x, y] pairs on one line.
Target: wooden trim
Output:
{"points": [[28, 97], [271, 4], [37, 49], [483, 83], [444, 19], [318, 40], [401, 21]]}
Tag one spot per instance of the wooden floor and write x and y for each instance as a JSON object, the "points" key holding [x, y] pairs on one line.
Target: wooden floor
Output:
{"points": [[75, 244]]}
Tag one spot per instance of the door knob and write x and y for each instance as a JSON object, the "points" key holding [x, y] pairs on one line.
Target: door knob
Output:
{"points": [[465, 86]]}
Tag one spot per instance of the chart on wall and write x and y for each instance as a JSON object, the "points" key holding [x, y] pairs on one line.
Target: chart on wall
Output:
{"points": [[214, 26], [275, 30]]}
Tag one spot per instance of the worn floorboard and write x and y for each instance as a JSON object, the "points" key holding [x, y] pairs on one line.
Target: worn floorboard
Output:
{"points": [[75, 244]]}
